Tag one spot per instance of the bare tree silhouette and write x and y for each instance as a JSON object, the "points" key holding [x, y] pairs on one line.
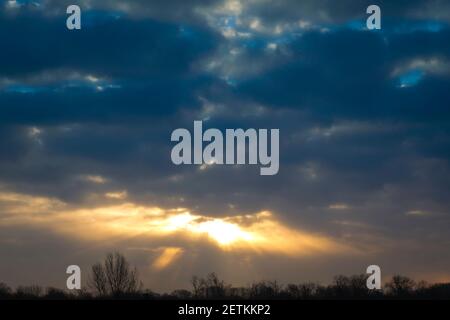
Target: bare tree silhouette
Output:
{"points": [[114, 277], [29, 292], [5, 291], [210, 287], [400, 286], [301, 291], [346, 287], [264, 290]]}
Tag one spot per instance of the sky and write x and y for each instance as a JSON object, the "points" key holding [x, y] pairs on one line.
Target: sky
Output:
{"points": [[86, 117]]}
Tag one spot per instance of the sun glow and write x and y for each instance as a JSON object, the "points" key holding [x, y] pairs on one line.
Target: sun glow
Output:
{"points": [[224, 232], [260, 232], [167, 257]]}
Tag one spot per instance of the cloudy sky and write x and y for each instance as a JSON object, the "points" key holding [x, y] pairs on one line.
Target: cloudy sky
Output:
{"points": [[86, 118]]}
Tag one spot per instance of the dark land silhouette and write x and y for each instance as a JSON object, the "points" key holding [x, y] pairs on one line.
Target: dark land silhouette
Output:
{"points": [[114, 278]]}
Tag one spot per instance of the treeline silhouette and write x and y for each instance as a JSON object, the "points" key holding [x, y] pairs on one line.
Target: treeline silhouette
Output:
{"points": [[115, 279]]}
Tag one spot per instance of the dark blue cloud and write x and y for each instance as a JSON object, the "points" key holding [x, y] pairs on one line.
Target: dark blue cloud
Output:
{"points": [[114, 47], [364, 116], [151, 66], [348, 74], [130, 102]]}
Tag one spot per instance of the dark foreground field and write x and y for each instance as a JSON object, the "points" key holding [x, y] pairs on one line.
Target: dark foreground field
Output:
{"points": [[114, 278]]}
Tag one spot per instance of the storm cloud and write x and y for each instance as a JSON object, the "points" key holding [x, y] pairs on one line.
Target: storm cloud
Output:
{"points": [[86, 117]]}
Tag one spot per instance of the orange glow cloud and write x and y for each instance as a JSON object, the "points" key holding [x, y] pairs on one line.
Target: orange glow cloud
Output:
{"points": [[167, 257], [260, 232]]}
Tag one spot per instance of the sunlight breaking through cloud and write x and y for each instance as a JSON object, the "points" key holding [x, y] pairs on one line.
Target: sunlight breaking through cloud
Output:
{"points": [[260, 232], [167, 257]]}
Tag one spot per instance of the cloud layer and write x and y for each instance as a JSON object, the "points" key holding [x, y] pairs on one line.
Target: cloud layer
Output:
{"points": [[86, 117]]}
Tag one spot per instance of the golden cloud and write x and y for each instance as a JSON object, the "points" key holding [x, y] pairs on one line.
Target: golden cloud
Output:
{"points": [[261, 232]]}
